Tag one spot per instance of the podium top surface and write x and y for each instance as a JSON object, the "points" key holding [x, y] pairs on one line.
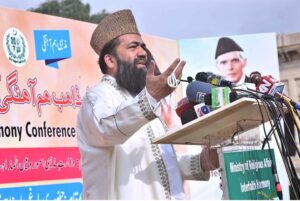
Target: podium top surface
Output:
{"points": [[218, 125]]}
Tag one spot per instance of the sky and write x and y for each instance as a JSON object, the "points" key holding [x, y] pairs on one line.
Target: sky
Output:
{"points": [[183, 19]]}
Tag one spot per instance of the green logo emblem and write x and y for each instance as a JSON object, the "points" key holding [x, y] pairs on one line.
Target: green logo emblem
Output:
{"points": [[15, 47]]}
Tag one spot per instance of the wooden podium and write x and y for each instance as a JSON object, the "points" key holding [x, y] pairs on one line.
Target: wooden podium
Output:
{"points": [[218, 125]]}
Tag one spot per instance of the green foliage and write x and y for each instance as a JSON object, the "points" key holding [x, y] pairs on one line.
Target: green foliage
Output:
{"points": [[49, 7], [73, 9], [96, 18]]}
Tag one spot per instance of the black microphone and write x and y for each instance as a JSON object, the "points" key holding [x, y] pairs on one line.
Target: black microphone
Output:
{"points": [[196, 90], [207, 99], [185, 110], [213, 79], [189, 79], [188, 115]]}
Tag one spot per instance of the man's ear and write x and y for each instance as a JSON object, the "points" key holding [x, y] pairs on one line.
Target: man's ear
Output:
{"points": [[111, 63]]}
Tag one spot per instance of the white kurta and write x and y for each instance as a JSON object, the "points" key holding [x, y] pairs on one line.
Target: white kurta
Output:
{"points": [[118, 160]]}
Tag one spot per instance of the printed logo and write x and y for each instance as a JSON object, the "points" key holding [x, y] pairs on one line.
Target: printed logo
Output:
{"points": [[15, 47], [264, 87], [52, 46], [201, 109]]}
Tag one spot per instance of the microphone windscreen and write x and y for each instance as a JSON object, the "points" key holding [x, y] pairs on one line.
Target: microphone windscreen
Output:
{"points": [[255, 77], [196, 90], [183, 105], [190, 79], [183, 101], [188, 115], [203, 76]]}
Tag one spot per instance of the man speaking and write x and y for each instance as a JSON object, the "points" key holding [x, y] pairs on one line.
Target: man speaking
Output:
{"points": [[118, 119]]}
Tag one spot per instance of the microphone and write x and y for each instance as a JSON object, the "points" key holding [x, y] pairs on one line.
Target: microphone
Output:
{"points": [[188, 80], [188, 115], [202, 109], [266, 84], [294, 104], [213, 79], [207, 99], [196, 90], [185, 110], [233, 96], [183, 105]]}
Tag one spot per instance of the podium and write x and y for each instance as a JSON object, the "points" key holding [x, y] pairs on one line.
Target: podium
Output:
{"points": [[218, 125], [245, 174]]}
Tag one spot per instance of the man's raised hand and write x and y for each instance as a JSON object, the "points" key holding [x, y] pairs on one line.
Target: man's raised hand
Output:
{"points": [[157, 85]]}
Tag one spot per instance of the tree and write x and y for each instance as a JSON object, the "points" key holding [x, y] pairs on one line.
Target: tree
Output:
{"points": [[96, 18], [49, 7], [73, 9]]}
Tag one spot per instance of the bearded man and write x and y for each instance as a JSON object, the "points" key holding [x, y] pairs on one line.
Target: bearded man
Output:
{"points": [[119, 117]]}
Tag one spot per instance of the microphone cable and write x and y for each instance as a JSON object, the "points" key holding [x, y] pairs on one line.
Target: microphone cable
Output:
{"points": [[273, 167], [274, 112], [284, 146], [280, 105], [276, 126], [295, 182], [268, 102]]}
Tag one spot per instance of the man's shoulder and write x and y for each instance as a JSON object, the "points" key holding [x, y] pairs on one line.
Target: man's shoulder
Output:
{"points": [[99, 93], [103, 86]]}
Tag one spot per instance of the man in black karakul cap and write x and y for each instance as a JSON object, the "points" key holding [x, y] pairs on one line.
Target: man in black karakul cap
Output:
{"points": [[230, 61]]}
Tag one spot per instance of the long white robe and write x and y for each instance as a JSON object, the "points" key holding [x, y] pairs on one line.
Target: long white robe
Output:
{"points": [[118, 160]]}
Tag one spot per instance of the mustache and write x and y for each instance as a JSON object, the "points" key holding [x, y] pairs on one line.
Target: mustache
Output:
{"points": [[147, 61], [141, 59]]}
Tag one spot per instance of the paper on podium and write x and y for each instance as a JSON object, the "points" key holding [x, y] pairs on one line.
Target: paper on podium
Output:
{"points": [[217, 126]]}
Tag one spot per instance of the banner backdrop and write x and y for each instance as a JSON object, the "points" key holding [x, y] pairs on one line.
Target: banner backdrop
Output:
{"points": [[260, 51], [46, 64]]}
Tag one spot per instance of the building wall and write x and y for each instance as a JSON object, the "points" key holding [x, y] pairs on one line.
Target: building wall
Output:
{"points": [[289, 65]]}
